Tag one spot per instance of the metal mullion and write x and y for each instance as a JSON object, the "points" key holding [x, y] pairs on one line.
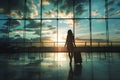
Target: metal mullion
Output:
{"points": [[8, 26], [24, 34], [57, 23], [92, 67], [41, 21], [107, 28], [90, 23], [73, 18], [58, 18]]}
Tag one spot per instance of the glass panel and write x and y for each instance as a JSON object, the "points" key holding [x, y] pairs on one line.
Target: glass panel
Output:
{"points": [[16, 30], [114, 30], [49, 32], [98, 8], [63, 27], [32, 31], [81, 8], [33, 8], [4, 9], [98, 32], [4, 31], [113, 8], [13, 9], [65, 9], [3, 16], [49, 8], [82, 32]]}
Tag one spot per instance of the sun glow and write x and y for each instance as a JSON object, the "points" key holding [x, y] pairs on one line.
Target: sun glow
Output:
{"points": [[59, 39]]}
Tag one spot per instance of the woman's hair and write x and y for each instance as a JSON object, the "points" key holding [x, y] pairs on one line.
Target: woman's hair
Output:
{"points": [[70, 32]]}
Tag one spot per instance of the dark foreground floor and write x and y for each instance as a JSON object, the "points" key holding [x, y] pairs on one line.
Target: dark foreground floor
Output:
{"points": [[55, 66]]}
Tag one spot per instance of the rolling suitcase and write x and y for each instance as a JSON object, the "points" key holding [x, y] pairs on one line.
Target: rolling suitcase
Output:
{"points": [[77, 57]]}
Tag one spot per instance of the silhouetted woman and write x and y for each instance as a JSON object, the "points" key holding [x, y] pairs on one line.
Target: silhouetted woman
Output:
{"points": [[70, 43]]}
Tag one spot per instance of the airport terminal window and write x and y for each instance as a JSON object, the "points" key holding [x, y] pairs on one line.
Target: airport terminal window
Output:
{"points": [[46, 22]]}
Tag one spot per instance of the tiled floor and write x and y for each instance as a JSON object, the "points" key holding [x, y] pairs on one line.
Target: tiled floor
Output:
{"points": [[55, 66]]}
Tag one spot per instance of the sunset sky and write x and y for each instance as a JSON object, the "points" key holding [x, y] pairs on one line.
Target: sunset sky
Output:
{"points": [[50, 20]]}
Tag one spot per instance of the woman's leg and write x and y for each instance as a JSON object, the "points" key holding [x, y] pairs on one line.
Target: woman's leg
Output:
{"points": [[70, 57]]}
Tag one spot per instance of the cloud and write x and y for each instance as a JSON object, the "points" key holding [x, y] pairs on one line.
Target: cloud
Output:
{"points": [[21, 32], [4, 31], [46, 29], [17, 36], [32, 8], [118, 3], [77, 39], [8, 6], [55, 32], [67, 5], [51, 13], [115, 25], [46, 38], [1, 10], [96, 13], [37, 32], [110, 3], [117, 13], [18, 9], [50, 27], [33, 24], [12, 23], [45, 2], [117, 31], [98, 40], [46, 21], [68, 23], [100, 34], [63, 14], [16, 14], [88, 40], [29, 34], [19, 40], [110, 9], [46, 32]]}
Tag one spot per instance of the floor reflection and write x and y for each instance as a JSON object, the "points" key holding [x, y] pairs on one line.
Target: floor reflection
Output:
{"points": [[75, 73], [55, 66]]}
